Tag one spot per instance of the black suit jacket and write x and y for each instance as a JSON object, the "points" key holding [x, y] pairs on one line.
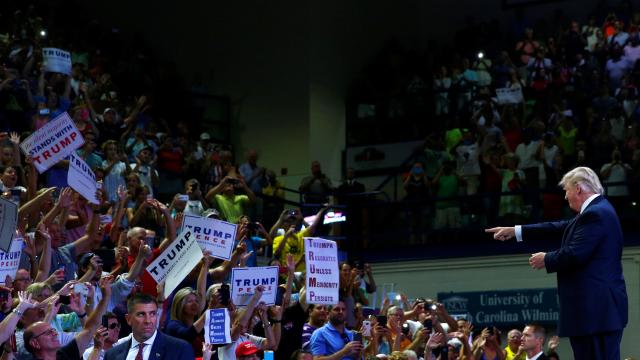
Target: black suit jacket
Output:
{"points": [[164, 347]]}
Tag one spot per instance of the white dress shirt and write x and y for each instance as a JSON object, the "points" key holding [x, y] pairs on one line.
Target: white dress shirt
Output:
{"points": [[133, 350], [535, 356]]}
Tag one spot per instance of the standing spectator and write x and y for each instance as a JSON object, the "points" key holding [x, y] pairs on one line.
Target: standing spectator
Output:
{"points": [[317, 187], [468, 160], [231, 206], [333, 340], [533, 341], [513, 351], [292, 242], [87, 151], [511, 206], [145, 169], [530, 154], [615, 177], [416, 185], [487, 345], [104, 338], [441, 86], [525, 50], [446, 184], [115, 170], [142, 316], [273, 198], [317, 319], [616, 68], [252, 173]]}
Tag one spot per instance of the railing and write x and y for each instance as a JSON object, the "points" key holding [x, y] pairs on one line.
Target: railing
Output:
{"points": [[379, 227]]}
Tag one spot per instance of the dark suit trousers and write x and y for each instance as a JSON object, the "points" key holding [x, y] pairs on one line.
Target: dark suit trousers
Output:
{"points": [[602, 346]]}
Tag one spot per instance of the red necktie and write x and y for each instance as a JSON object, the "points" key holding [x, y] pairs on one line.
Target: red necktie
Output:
{"points": [[140, 350]]}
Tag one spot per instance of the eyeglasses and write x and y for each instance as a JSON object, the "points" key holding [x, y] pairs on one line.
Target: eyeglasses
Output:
{"points": [[48, 332], [114, 325]]}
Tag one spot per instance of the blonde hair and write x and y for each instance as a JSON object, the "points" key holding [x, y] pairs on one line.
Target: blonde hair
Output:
{"points": [[178, 303], [583, 176]]}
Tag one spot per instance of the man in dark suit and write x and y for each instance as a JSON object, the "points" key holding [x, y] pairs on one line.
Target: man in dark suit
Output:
{"points": [[591, 287], [533, 341], [147, 343]]}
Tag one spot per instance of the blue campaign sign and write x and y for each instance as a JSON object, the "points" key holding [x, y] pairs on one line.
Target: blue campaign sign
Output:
{"points": [[503, 307], [218, 329]]}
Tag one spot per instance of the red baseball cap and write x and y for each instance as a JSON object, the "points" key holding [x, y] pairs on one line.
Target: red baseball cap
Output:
{"points": [[246, 348]]}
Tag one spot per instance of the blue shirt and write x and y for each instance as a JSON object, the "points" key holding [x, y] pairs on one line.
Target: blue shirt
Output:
{"points": [[328, 341]]}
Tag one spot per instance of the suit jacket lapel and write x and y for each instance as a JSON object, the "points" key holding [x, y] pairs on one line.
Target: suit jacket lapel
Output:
{"points": [[569, 230], [157, 347]]}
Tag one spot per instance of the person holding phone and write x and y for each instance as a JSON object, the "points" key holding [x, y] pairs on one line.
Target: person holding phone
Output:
{"points": [[104, 338], [230, 204], [334, 341]]}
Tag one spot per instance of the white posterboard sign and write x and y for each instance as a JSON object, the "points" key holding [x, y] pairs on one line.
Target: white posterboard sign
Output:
{"points": [[245, 280], [214, 235], [10, 260], [56, 60], [509, 96], [82, 179], [323, 277], [9, 218], [53, 142], [217, 328], [175, 262]]}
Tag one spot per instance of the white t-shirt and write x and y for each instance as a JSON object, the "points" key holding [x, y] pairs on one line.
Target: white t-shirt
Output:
{"points": [[527, 155], [468, 163], [618, 174]]}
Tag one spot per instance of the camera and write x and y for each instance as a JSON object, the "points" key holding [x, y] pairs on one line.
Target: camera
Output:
{"points": [[252, 226], [405, 329], [480, 55], [233, 181]]}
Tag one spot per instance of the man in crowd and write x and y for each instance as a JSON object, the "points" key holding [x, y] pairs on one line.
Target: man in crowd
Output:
{"points": [[533, 341], [147, 343], [333, 341], [317, 187]]}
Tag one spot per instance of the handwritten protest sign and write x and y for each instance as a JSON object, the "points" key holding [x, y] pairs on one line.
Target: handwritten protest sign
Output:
{"points": [[56, 60], [52, 142], [176, 262], [323, 278], [82, 179], [245, 280], [9, 218], [217, 329], [10, 260], [509, 96], [214, 235]]}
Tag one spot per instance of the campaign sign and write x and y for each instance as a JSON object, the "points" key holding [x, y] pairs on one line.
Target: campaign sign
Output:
{"points": [[82, 179], [217, 328], [10, 260], [9, 217], [245, 280], [323, 278], [509, 96], [53, 142], [176, 262], [56, 60], [214, 235]]}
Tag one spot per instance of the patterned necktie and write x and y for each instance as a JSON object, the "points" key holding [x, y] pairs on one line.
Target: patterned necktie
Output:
{"points": [[140, 350]]}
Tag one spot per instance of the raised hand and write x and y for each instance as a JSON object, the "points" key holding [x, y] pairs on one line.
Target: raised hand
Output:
{"points": [[100, 336], [14, 138]]}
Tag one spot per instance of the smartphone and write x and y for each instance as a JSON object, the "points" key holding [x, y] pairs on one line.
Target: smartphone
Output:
{"points": [[428, 324], [64, 299], [150, 238], [105, 321], [252, 226], [99, 185], [280, 295], [357, 337], [182, 197], [366, 328], [382, 320], [225, 295], [81, 289], [268, 355]]}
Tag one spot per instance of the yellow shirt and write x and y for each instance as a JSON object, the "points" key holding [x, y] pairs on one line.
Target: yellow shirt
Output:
{"points": [[511, 355], [293, 246]]}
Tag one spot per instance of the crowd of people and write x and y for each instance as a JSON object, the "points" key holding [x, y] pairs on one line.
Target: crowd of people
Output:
{"points": [[81, 290]]}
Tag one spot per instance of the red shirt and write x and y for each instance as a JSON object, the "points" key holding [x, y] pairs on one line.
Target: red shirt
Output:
{"points": [[148, 283]]}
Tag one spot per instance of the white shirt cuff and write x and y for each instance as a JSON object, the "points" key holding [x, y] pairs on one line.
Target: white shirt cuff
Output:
{"points": [[518, 233]]}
